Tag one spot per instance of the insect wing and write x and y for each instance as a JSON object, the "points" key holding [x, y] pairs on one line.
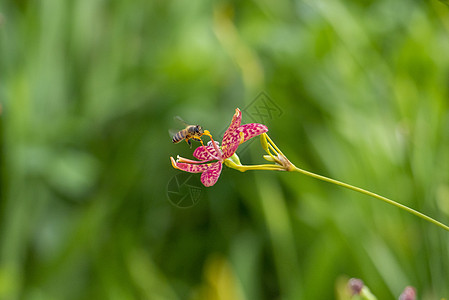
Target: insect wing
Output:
{"points": [[172, 132], [182, 124], [181, 121]]}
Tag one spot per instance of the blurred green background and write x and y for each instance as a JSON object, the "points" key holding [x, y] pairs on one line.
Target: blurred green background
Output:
{"points": [[89, 89]]}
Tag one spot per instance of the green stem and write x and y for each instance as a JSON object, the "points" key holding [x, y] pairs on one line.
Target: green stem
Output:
{"points": [[243, 168], [261, 167], [360, 190]]}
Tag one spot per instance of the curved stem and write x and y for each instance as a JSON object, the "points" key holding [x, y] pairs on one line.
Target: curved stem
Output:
{"points": [[272, 143], [385, 199], [271, 167], [242, 168]]}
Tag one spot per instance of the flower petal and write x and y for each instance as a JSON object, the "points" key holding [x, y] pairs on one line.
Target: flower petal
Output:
{"points": [[202, 154], [210, 176], [236, 121], [251, 130], [191, 168], [231, 144], [230, 140], [240, 135]]}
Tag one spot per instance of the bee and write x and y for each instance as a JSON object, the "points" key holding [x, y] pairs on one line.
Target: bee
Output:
{"points": [[190, 132]]}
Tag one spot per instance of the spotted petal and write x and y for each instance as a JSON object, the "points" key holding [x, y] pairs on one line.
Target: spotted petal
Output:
{"points": [[236, 121], [241, 134], [210, 176], [251, 130], [205, 153], [231, 144], [191, 168]]}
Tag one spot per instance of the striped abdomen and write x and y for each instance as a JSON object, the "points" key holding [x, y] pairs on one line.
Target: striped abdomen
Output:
{"points": [[179, 136]]}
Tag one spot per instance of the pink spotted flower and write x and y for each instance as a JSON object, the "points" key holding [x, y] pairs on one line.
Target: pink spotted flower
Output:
{"points": [[233, 137]]}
